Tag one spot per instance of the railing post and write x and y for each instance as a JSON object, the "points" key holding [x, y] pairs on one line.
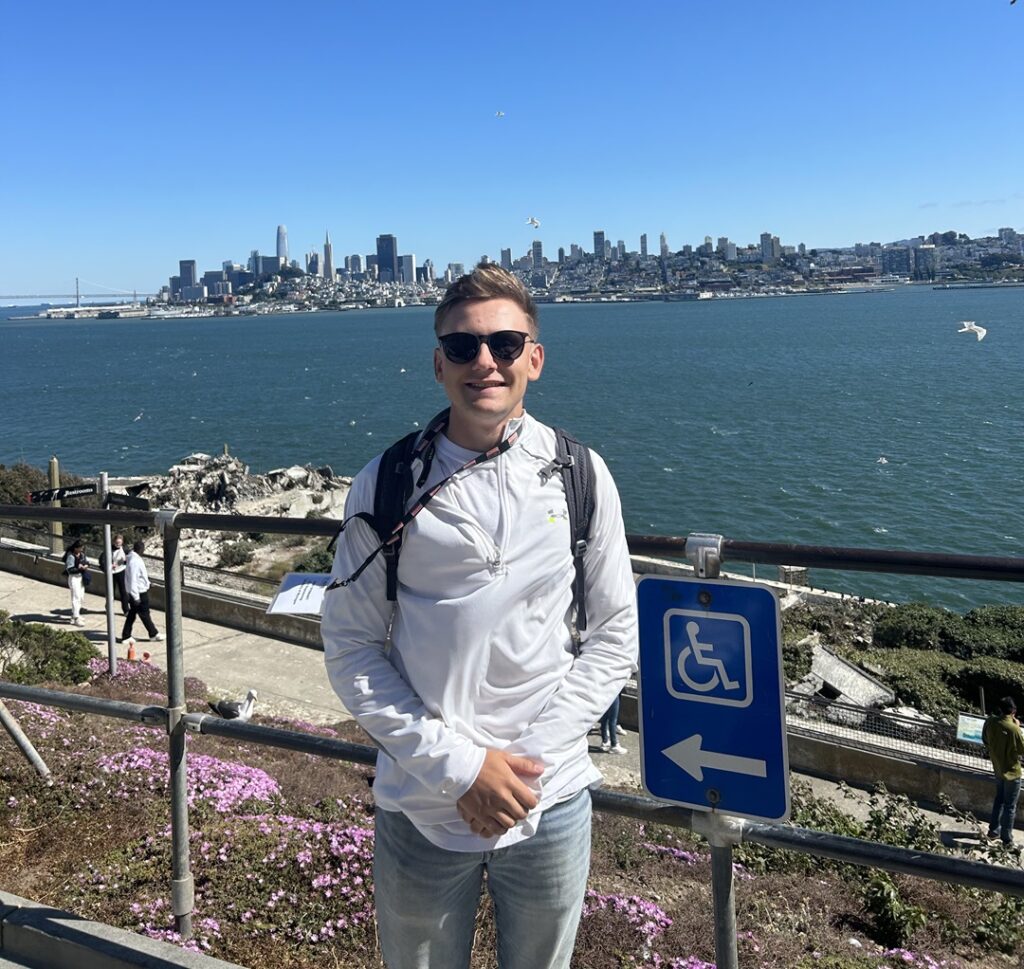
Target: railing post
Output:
{"points": [[56, 527], [108, 577], [182, 887]]}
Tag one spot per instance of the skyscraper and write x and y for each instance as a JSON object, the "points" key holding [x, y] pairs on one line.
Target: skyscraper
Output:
{"points": [[187, 272], [282, 244], [538, 254], [506, 259], [663, 246], [643, 246], [328, 258], [387, 258], [599, 244], [407, 268]]}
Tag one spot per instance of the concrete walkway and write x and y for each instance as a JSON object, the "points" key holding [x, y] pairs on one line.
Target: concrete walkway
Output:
{"points": [[290, 680]]}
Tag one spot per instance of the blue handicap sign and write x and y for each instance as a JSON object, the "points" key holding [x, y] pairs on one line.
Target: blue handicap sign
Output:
{"points": [[712, 713]]}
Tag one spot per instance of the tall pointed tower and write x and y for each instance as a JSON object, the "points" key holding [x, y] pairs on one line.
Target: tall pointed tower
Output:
{"points": [[328, 258]]}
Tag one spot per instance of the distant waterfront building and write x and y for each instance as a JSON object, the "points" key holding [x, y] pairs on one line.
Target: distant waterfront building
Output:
{"points": [[175, 286], [387, 258], [328, 257], [895, 260], [187, 272], [926, 262], [355, 263], [428, 270], [598, 244], [456, 269], [282, 244], [407, 268], [771, 248], [663, 246], [506, 259], [313, 263], [371, 265], [253, 265], [214, 277], [620, 250], [538, 254], [575, 252], [561, 256], [643, 246]]}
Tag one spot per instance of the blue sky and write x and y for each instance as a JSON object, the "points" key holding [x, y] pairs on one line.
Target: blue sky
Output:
{"points": [[137, 135]]}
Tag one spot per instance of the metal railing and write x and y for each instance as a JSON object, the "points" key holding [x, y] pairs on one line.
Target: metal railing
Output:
{"points": [[705, 552]]}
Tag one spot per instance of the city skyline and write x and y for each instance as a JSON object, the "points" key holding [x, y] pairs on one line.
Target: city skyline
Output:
{"points": [[803, 120]]}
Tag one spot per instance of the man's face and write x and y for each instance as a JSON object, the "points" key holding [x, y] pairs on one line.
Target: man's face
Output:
{"points": [[486, 393], [118, 542]]}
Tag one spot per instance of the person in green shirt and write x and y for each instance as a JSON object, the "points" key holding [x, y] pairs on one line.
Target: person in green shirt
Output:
{"points": [[1005, 742]]}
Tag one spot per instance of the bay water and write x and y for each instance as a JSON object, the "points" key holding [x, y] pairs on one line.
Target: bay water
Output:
{"points": [[856, 420]]}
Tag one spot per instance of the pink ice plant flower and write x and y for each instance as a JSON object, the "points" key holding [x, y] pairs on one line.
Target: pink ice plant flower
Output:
{"points": [[223, 784]]}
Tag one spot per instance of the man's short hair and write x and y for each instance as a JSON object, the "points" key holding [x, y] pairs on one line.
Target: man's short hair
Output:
{"points": [[139, 546], [1007, 707], [487, 281]]}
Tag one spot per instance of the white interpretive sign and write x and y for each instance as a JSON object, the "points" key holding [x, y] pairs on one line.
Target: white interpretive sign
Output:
{"points": [[300, 594]]}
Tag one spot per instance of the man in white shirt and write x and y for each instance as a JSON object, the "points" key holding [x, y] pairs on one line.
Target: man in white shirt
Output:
{"points": [[470, 682], [137, 585]]}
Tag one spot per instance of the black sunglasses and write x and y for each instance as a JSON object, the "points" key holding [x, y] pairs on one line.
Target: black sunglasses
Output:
{"points": [[505, 345]]}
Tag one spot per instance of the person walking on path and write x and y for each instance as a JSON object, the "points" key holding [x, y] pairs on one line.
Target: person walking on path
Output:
{"points": [[1005, 742], [137, 583], [610, 729], [118, 556], [76, 567], [470, 682]]}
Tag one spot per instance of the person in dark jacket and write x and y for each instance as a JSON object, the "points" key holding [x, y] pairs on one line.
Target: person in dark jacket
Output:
{"points": [[76, 566], [1005, 742]]}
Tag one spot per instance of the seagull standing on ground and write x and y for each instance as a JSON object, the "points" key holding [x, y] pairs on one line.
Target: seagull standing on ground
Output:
{"points": [[969, 326], [235, 709]]}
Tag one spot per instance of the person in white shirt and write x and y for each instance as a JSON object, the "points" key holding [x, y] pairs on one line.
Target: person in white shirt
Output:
{"points": [[118, 556], [137, 584], [470, 683]]}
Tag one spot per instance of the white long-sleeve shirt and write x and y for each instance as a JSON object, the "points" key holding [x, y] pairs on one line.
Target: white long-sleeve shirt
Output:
{"points": [[481, 653], [136, 578]]}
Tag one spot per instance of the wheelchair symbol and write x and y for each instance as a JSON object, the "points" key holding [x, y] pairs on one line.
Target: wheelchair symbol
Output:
{"points": [[707, 657]]}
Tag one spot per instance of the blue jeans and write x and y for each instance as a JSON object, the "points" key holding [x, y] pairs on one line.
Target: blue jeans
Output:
{"points": [[1004, 808], [427, 897], [610, 723]]}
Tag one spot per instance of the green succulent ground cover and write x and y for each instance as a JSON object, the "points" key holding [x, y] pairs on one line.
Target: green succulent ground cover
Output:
{"points": [[936, 660], [282, 848]]}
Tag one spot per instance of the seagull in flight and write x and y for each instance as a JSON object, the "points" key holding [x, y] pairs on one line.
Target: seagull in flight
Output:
{"points": [[534, 222], [138, 417], [499, 114], [969, 326], [235, 709]]}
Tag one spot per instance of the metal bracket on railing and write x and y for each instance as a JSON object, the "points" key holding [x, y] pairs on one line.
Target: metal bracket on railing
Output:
{"points": [[194, 721], [165, 518], [721, 830], [705, 553], [174, 719], [183, 896]]}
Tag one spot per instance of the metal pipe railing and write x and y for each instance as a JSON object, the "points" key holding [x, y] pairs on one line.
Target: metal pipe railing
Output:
{"points": [[940, 564], [722, 831]]}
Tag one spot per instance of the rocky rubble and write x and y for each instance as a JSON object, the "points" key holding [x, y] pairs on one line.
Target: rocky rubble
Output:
{"points": [[223, 484]]}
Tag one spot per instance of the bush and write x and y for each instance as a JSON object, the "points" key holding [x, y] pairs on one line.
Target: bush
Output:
{"points": [[995, 631], [34, 653], [317, 559], [997, 677], [919, 626], [920, 677], [236, 553]]}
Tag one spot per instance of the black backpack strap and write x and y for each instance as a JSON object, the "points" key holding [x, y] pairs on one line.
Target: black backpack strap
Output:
{"points": [[577, 469], [394, 487]]}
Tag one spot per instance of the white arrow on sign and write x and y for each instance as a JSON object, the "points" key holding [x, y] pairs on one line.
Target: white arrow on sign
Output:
{"points": [[688, 755]]}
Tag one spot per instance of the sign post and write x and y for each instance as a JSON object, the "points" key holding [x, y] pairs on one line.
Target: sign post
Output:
{"points": [[712, 714]]}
